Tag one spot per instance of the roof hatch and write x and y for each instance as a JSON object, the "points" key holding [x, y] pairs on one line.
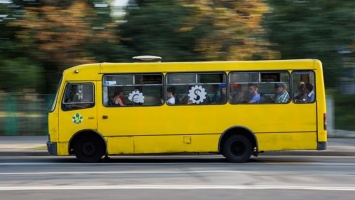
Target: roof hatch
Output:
{"points": [[146, 58]]}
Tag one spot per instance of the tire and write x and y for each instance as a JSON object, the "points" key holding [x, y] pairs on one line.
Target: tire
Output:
{"points": [[89, 150], [237, 149]]}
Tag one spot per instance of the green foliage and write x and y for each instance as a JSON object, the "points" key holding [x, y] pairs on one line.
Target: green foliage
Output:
{"points": [[61, 34], [313, 29], [153, 28], [344, 112], [18, 74], [8, 42], [58, 34], [185, 30], [234, 30]]}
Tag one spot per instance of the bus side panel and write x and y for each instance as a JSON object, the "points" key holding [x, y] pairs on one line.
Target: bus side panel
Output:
{"points": [[119, 145], [277, 118], [287, 141], [176, 143], [62, 148]]}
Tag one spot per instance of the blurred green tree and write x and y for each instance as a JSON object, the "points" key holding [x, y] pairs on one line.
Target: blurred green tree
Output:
{"points": [[20, 73], [7, 47], [235, 29], [17, 69], [64, 33], [181, 30], [106, 51], [313, 29], [153, 27]]}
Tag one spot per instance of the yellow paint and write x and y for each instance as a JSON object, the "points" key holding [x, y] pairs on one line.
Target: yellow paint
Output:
{"points": [[62, 149], [120, 145], [187, 139], [175, 144], [287, 141]]}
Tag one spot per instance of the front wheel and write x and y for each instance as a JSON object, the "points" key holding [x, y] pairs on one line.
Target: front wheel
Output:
{"points": [[237, 149], [89, 150]]}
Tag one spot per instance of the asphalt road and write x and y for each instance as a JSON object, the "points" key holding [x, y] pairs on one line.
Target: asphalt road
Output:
{"points": [[178, 177]]}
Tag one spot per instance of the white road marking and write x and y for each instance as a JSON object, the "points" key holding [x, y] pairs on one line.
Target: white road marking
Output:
{"points": [[179, 187], [144, 172], [177, 163], [29, 163], [122, 172]]}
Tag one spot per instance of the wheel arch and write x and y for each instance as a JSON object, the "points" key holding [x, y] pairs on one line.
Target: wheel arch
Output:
{"points": [[238, 130], [87, 133]]}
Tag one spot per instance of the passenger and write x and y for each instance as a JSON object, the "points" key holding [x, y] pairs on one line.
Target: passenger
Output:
{"points": [[170, 99], [216, 94], [222, 98], [237, 94], [253, 89], [302, 96], [310, 93], [281, 94], [185, 99], [118, 98]]}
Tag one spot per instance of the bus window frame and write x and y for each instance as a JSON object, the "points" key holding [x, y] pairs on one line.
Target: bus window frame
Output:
{"points": [[63, 104], [197, 82], [289, 89], [314, 86], [161, 74]]}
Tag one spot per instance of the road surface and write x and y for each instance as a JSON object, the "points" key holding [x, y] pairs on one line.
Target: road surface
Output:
{"points": [[207, 177]]}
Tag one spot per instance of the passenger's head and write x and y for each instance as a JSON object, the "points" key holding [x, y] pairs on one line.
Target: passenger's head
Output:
{"points": [[119, 91], [280, 87], [253, 88], [309, 87], [215, 87], [224, 90], [240, 88], [237, 88], [301, 87], [170, 92]]}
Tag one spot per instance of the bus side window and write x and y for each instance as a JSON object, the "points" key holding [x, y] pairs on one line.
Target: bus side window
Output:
{"points": [[303, 90], [138, 89], [78, 96], [198, 88]]}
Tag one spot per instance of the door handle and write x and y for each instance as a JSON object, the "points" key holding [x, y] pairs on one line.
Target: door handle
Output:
{"points": [[104, 117], [91, 117]]}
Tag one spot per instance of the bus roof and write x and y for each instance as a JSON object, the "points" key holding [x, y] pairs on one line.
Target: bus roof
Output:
{"points": [[92, 71], [209, 66]]}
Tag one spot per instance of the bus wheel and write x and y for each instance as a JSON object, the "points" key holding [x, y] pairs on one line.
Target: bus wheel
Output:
{"points": [[89, 150], [237, 149]]}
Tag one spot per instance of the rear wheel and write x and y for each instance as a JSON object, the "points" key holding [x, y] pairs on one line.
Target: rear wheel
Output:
{"points": [[237, 149], [89, 149]]}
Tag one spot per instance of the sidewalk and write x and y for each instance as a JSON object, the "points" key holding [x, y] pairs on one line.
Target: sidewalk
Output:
{"points": [[335, 147], [23, 146], [35, 146]]}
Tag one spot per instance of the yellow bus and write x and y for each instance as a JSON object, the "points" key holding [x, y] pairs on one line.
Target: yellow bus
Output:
{"points": [[233, 108]]}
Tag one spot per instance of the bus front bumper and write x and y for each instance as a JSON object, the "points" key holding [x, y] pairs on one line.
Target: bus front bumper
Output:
{"points": [[52, 147]]}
